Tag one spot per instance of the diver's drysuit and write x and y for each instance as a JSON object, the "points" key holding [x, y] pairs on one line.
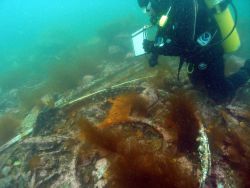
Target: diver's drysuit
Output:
{"points": [[194, 37]]}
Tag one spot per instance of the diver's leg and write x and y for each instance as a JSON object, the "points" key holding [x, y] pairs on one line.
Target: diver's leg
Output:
{"points": [[209, 73], [247, 67], [239, 78], [195, 76], [219, 87]]}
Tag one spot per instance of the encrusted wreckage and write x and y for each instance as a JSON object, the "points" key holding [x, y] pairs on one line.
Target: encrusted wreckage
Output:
{"points": [[131, 135]]}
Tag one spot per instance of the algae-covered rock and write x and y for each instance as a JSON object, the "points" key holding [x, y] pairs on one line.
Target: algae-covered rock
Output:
{"points": [[6, 182]]}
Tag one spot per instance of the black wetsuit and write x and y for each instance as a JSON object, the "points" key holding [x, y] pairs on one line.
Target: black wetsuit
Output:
{"points": [[205, 61]]}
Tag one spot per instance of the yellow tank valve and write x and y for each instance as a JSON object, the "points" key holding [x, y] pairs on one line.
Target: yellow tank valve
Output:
{"points": [[163, 21], [164, 18]]}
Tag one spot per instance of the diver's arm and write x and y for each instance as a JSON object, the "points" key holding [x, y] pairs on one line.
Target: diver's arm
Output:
{"points": [[167, 50], [161, 47]]}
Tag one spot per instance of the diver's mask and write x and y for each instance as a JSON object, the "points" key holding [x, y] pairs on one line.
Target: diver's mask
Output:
{"points": [[149, 10]]}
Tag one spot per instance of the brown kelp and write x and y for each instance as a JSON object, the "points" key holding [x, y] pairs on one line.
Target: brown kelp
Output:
{"points": [[34, 163], [133, 162], [8, 127], [182, 119]]}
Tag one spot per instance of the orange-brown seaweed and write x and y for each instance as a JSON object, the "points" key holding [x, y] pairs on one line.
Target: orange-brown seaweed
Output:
{"points": [[123, 106]]}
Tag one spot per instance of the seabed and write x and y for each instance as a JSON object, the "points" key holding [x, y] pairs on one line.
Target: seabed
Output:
{"points": [[52, 150]]}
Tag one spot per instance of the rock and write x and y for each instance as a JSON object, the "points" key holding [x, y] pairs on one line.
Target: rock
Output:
{"points": [[150, 95], [30, 120], [45, 121], [6, 170], [87, 79], [233, 64], [43, 173], [129, 55], [101, 167], [101, 183], [48, 100], [60, 102], [114, 49], [17, 163], [6, 182], [86, 179], [13, 92]]}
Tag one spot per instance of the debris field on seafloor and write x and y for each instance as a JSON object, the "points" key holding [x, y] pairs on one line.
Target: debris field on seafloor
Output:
{"points": [[132, 135]]}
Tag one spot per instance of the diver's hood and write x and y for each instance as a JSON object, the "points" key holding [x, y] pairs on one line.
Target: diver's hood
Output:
{"points": [[143, 3], [159, 6]]}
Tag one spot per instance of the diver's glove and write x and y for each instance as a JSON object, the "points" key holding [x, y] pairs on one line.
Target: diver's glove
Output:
{"points": [[153, 60], [148, 45]]}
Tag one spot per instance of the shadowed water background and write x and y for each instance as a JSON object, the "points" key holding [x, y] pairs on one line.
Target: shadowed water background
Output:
{"points": [[27, 25], [31, 27]]}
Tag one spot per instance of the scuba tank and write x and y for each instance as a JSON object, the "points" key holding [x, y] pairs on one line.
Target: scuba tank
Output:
{"points": [[224, 19]]}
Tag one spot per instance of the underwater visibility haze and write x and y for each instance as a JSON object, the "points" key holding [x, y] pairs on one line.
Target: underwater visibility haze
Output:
{"points": [[78, 109]]}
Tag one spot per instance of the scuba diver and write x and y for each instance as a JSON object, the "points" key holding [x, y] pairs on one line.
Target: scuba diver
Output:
{"points": [[199, 32]]}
